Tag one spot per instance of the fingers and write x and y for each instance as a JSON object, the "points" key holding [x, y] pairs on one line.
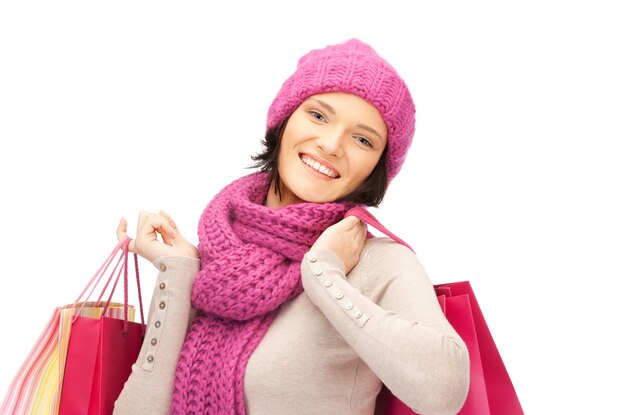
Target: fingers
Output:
{"points": [[355, 229], [157, 235], [121, 230], [122, 235], [169, 238], [355, 224], [153, 224], [349, 222], [169, 219], [149, 224]]}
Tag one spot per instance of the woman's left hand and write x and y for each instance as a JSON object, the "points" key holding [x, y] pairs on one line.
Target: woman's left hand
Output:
{"points": [[346, 239]]}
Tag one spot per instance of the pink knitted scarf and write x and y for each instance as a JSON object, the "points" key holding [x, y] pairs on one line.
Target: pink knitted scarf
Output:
{"points": [[250, 265]]}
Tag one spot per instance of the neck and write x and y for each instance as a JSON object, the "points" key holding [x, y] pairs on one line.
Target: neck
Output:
{"points": [[274, 200]]}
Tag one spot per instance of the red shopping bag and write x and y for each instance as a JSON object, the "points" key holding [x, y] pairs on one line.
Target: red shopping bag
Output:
{"points": [[491, 391], [101, 350], [496, 382]]}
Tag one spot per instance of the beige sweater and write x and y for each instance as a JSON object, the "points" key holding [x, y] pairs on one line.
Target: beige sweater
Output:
{"points": [[327, 350]]}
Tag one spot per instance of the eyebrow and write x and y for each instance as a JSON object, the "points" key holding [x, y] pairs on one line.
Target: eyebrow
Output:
{"points": [[325, 105], [371, 130], [362, 126]]}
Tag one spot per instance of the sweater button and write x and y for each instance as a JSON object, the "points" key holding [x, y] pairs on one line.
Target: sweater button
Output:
{"points": [[162, 305], [312, 258], [339, 296], [358, 314], [328, 283], [163, 267], [349, 306], [162, 286], [318, 271], [157, 324], [150, 358], [153, 341]]}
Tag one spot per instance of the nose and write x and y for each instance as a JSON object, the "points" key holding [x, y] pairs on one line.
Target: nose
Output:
{"points": [[331, 143]]}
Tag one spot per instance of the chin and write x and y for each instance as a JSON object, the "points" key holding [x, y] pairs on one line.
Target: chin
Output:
{"points": [[312, 191], [316, 199], [314, 195]]}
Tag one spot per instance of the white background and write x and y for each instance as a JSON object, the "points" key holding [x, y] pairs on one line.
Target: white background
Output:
{"points": [[515, 180]]}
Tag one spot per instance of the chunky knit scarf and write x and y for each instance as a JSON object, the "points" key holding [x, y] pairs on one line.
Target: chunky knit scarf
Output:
{"points": [[250, 265]]}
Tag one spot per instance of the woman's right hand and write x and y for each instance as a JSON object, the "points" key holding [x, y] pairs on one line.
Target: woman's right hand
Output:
{"points": [[147, 244]]}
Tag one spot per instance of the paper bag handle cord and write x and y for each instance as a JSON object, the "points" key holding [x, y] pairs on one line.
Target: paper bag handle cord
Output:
{"points": [[97, 277], [106, 285], [100, 271], [123, 245], [126, 306], [125, 269], [138, 288], [369, 219]]}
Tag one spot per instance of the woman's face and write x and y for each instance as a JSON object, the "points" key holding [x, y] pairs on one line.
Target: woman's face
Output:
{"points": [[330, 145]]}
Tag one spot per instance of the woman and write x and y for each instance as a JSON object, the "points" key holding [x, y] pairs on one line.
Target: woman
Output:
{"points": [[286, 307]]}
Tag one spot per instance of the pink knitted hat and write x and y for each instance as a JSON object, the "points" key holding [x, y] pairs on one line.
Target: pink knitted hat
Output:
{"points": [[353, 67]]}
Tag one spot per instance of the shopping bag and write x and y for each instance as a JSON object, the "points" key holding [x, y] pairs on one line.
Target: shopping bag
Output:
{"points": [[36, 387], [491, 391], [495, 383], [101, 349]]}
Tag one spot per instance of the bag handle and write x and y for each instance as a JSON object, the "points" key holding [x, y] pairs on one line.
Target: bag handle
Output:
{"points": [[124, 268], [97, 277], [369, 219], [100, 273]]}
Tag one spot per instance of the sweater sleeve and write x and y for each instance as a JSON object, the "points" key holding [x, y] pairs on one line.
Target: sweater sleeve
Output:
{"points": [[394, 323], [148, 389]]}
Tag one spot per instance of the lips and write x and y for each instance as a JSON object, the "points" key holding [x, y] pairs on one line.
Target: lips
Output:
{"points": [[321, 167]]}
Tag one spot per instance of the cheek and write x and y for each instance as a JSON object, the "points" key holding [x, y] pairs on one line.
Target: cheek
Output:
{"points": [[287, 159], [288, 142], [365, 166]]}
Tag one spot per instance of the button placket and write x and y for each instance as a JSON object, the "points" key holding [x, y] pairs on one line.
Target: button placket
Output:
{"points": [[317, 269], [359, 317], [159, 314], [333, 290], [350, 309]]}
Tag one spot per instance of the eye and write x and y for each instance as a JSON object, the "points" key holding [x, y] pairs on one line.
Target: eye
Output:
{"points": [[317, 115], [363, 141]]}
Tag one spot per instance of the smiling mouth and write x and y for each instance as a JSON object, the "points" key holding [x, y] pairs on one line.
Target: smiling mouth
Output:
{"points": [[319, 167]]}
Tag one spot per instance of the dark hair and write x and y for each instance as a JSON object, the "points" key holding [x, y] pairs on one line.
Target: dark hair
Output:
{"points": [[370, 193]]}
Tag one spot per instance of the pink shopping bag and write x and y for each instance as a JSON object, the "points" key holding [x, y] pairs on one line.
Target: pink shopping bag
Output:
{"points": [[101, 350], [36, 387], [491, 391]]}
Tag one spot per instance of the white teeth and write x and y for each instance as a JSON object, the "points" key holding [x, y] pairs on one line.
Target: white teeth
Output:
{"points": [[322, 169]]}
